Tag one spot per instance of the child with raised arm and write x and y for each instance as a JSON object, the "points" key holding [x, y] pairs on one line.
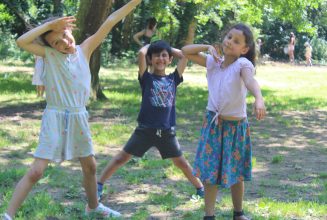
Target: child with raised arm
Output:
{"points": [[224, 152], [157, 117], [144, 36], [65, 132]]}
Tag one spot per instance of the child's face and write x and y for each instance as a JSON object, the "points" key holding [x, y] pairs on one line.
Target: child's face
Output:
{"points": [[159, 61], [63, 41], [234, 43]]}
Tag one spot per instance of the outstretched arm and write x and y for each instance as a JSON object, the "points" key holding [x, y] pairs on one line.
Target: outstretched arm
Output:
{"points": [[28, 40], [137, 36], [142, 60], [182, 60], [252, 85], [91, 43]]}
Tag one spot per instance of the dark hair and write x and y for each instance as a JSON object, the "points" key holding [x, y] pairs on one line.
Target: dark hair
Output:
{"points": [[151, 22], [42, 36], [249, 41], [157, 47]]}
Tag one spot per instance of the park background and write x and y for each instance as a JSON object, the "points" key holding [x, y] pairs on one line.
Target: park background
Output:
{"points": [[290, 145]]}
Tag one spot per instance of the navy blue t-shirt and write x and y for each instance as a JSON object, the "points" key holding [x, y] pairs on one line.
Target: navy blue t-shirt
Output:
{"points": [[158, 100]]}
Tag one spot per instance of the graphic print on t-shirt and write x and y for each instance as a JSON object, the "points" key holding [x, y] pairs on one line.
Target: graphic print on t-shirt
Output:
{"points": [[162, 93]]}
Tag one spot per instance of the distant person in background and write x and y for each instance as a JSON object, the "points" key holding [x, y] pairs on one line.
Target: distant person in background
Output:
{"points": [[308, 54], [291, 47], [144, 37], [36, 80], [259, 44]]}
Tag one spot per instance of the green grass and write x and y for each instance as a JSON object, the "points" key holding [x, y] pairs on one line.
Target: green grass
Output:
{"points": [[288, 91], [277, 159]]}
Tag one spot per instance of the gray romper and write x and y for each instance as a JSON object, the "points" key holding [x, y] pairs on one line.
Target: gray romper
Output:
{"points": [[65, 133]]}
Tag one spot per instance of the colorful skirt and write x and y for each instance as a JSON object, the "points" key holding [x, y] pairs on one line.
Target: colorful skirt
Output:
{"points": [[224, 152]]}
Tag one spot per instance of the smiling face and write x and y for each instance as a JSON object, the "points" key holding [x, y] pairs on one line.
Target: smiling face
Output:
{"points": [[63, 41], [234, 43], [159, 62]]}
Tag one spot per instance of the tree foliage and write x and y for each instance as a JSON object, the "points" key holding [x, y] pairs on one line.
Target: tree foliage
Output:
{"points": [[180, 22]]}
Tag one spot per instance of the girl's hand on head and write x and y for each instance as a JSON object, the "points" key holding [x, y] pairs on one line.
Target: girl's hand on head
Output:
{"points": [[63, 23], [259, 109], [213, 52]]}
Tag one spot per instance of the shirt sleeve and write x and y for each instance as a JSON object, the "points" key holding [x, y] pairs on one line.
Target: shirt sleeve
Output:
{"points": [[246, 65], [144, 77], [177, 78], [210, 63]]}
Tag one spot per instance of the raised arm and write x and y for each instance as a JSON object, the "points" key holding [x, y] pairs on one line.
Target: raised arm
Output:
{"points": [[28, 40], [142, 60], [193, 53], [252, 85], [137, 36], [91, 43], [182, 60]]}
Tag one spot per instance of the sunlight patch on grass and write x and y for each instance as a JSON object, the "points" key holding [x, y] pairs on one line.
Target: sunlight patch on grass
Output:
{"points": [[115, 134], [283, 209]]}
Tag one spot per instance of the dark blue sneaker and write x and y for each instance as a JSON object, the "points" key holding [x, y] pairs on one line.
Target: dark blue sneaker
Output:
{"points": [[100, 191], [200, 192]]}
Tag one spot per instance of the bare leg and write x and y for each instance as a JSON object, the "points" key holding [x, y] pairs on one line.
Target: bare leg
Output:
{"points": [[210, 195], [237, 191], [119, 160], [186, 168], [89, 180], [41, 90], [25, 185]]}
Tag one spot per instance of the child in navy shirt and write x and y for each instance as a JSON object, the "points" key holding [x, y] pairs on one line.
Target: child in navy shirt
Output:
{"points": [[157, 116]]}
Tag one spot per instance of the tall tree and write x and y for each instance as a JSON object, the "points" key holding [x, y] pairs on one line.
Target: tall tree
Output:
{"points": [[188, 22], [90, 16]]}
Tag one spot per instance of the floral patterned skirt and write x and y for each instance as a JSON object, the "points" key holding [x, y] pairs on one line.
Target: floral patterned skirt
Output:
{"points": [[224, 152]]}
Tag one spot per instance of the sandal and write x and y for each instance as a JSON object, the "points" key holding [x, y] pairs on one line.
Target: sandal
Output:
{"points": [[239, 214]]}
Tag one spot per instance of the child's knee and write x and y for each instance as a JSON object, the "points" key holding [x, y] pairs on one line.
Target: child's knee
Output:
{"points": [[35, 174], [91, 169], [181, 163], [121, 158]]}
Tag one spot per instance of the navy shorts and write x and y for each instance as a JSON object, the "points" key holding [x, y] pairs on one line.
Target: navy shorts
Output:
{"points": [[144, 138]]}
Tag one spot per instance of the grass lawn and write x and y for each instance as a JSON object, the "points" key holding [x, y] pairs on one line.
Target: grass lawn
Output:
{"points": [[289, 154]]}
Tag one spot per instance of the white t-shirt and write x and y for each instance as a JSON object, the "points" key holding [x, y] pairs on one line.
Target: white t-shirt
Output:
{"points": [[227, 91], [38, 71]]}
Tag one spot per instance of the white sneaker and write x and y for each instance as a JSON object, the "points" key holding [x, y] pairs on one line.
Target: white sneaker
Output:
{"points": [[6, 217], [102, 210]]}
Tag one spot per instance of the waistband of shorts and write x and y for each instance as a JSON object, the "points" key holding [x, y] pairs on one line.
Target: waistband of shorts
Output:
{"points": [[155, 129], [66, 108]]}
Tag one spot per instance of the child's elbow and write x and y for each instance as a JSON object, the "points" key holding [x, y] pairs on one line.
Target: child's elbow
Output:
{"points": [[19, 43], [183, 50], [141, 53]]}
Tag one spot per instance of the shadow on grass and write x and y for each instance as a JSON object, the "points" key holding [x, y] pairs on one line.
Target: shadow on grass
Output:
{"points": [[25, 110]]}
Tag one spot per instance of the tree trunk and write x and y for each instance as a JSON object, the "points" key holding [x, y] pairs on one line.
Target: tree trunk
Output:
{"points": [[117, 31], [57, 7], [127, 30], [90, 16], [187, 23], [191, 32]]}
